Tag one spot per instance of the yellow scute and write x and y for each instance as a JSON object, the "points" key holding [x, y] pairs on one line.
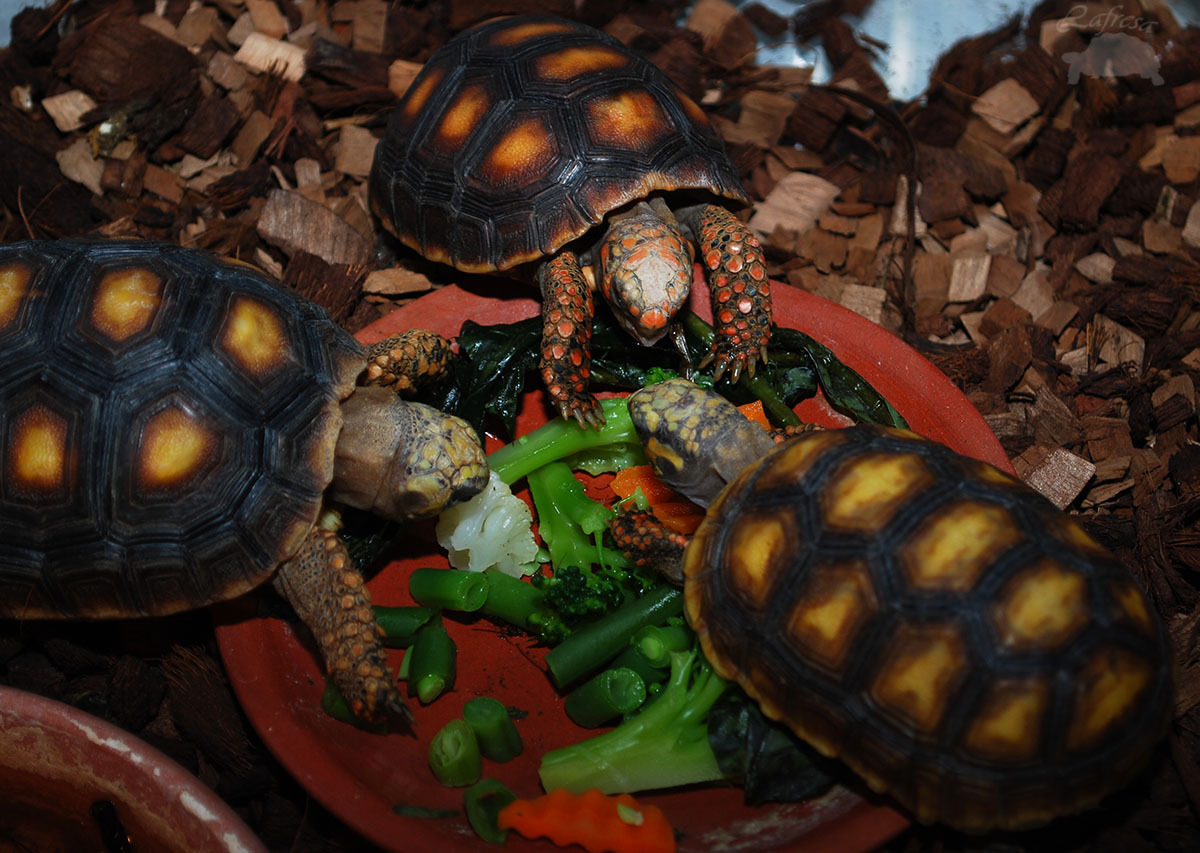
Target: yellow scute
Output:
{"points": [[925, 664], [1110, 685], [756, 553], [126, 302], [829, 609], [38, 455], [1008, 724], [571, 62], [1042, 607], [962, 539], [14, 284], [175, 446], [627, 120], [255, 337], [864, 493]]}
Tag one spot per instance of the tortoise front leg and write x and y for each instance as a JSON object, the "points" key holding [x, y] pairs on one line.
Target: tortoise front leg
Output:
{"points": [[566, 357], [331, 598], [741, 295], [407, 360]]}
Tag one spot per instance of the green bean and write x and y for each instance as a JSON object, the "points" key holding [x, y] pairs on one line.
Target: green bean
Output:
{"points": [[654, 643], [483, 802], [511, 600], [605, 697], [454, 754], [595, 644], [431, 661], [400, 624], [631, 658], [335, 705], [498, 738], [449, 589]]}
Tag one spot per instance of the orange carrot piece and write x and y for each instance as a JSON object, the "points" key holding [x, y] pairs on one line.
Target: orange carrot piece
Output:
{"points": [[681, 516], [595, 821], [628, 480], [754, 412]]}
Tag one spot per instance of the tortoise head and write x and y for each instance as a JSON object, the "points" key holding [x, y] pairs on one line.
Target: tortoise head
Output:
{"points": [[645, 272]]}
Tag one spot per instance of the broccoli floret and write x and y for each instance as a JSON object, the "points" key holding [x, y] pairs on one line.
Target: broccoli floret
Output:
{"points": [[579, 593], [663, 746]]}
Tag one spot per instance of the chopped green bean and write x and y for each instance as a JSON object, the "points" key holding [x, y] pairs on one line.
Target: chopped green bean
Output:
{"points": [[605, 697], [335, 705], [594, 645], [483, 802], [449, 589], [431, 661], [498, 738], [400, 624], [631, 658], [454, 754], [656, 642]]}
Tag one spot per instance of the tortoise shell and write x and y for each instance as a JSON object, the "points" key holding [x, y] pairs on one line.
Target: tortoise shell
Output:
{"points": [[522, 134], [167, 420], [948, 633]]}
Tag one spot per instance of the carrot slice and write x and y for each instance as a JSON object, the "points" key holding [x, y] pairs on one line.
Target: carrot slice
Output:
{"points": [[628, 480], [595, 821], [754, 412]]}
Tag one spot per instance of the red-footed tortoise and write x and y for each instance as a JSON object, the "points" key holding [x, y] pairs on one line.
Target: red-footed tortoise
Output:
{"points": [[548, 148], [170, 425], [949, 634]]}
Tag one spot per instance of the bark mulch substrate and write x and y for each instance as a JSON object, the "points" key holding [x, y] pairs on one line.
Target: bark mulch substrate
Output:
{"points": [[1048, 264]]}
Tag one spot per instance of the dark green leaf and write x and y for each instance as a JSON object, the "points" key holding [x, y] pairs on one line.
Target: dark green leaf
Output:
{"points": [[845, 389], [766, 760]]}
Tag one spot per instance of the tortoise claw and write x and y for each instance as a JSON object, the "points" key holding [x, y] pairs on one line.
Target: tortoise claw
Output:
{"points": [[585, 409]]}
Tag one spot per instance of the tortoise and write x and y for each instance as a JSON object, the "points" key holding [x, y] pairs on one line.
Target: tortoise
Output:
{"points": [[171, 424], [953, 637], [545, 148]]}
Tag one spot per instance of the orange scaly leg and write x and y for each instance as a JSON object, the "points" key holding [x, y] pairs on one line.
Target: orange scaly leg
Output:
{"points": [[567, 339], [331, 598], [741, 294]]}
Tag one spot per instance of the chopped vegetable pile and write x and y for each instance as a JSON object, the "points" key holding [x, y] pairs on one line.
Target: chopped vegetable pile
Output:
{"points": [[621, 653]]}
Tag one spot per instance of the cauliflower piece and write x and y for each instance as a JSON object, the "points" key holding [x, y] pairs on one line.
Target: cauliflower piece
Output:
{"points": [[494, 529]]}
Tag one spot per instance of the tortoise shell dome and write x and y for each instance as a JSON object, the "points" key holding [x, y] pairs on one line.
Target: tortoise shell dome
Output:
{"points": [[522, 134], [167, 425], [939, 626]]}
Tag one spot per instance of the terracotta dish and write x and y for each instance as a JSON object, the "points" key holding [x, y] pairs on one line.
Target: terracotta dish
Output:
{"points": [[361, 777]]}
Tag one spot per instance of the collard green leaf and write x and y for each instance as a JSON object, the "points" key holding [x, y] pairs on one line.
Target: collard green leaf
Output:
{"points": [[845, 389], [499, 363], [764, 759]]}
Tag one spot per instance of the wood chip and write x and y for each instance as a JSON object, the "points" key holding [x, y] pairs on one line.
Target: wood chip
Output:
{"points": [[355, 150], [396, 281], [272, 56], [968, 277], [1060, 476], [1181, 159], [1005, 106], [1162, 238], [1036, 294], [796, 202], [293, 223], [68, 108], [164, 184], [78, 164], [1119, 345], [267, 18], [250, 138], [370, 25], [401, 73], [1096, 267], [865, 301]]}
